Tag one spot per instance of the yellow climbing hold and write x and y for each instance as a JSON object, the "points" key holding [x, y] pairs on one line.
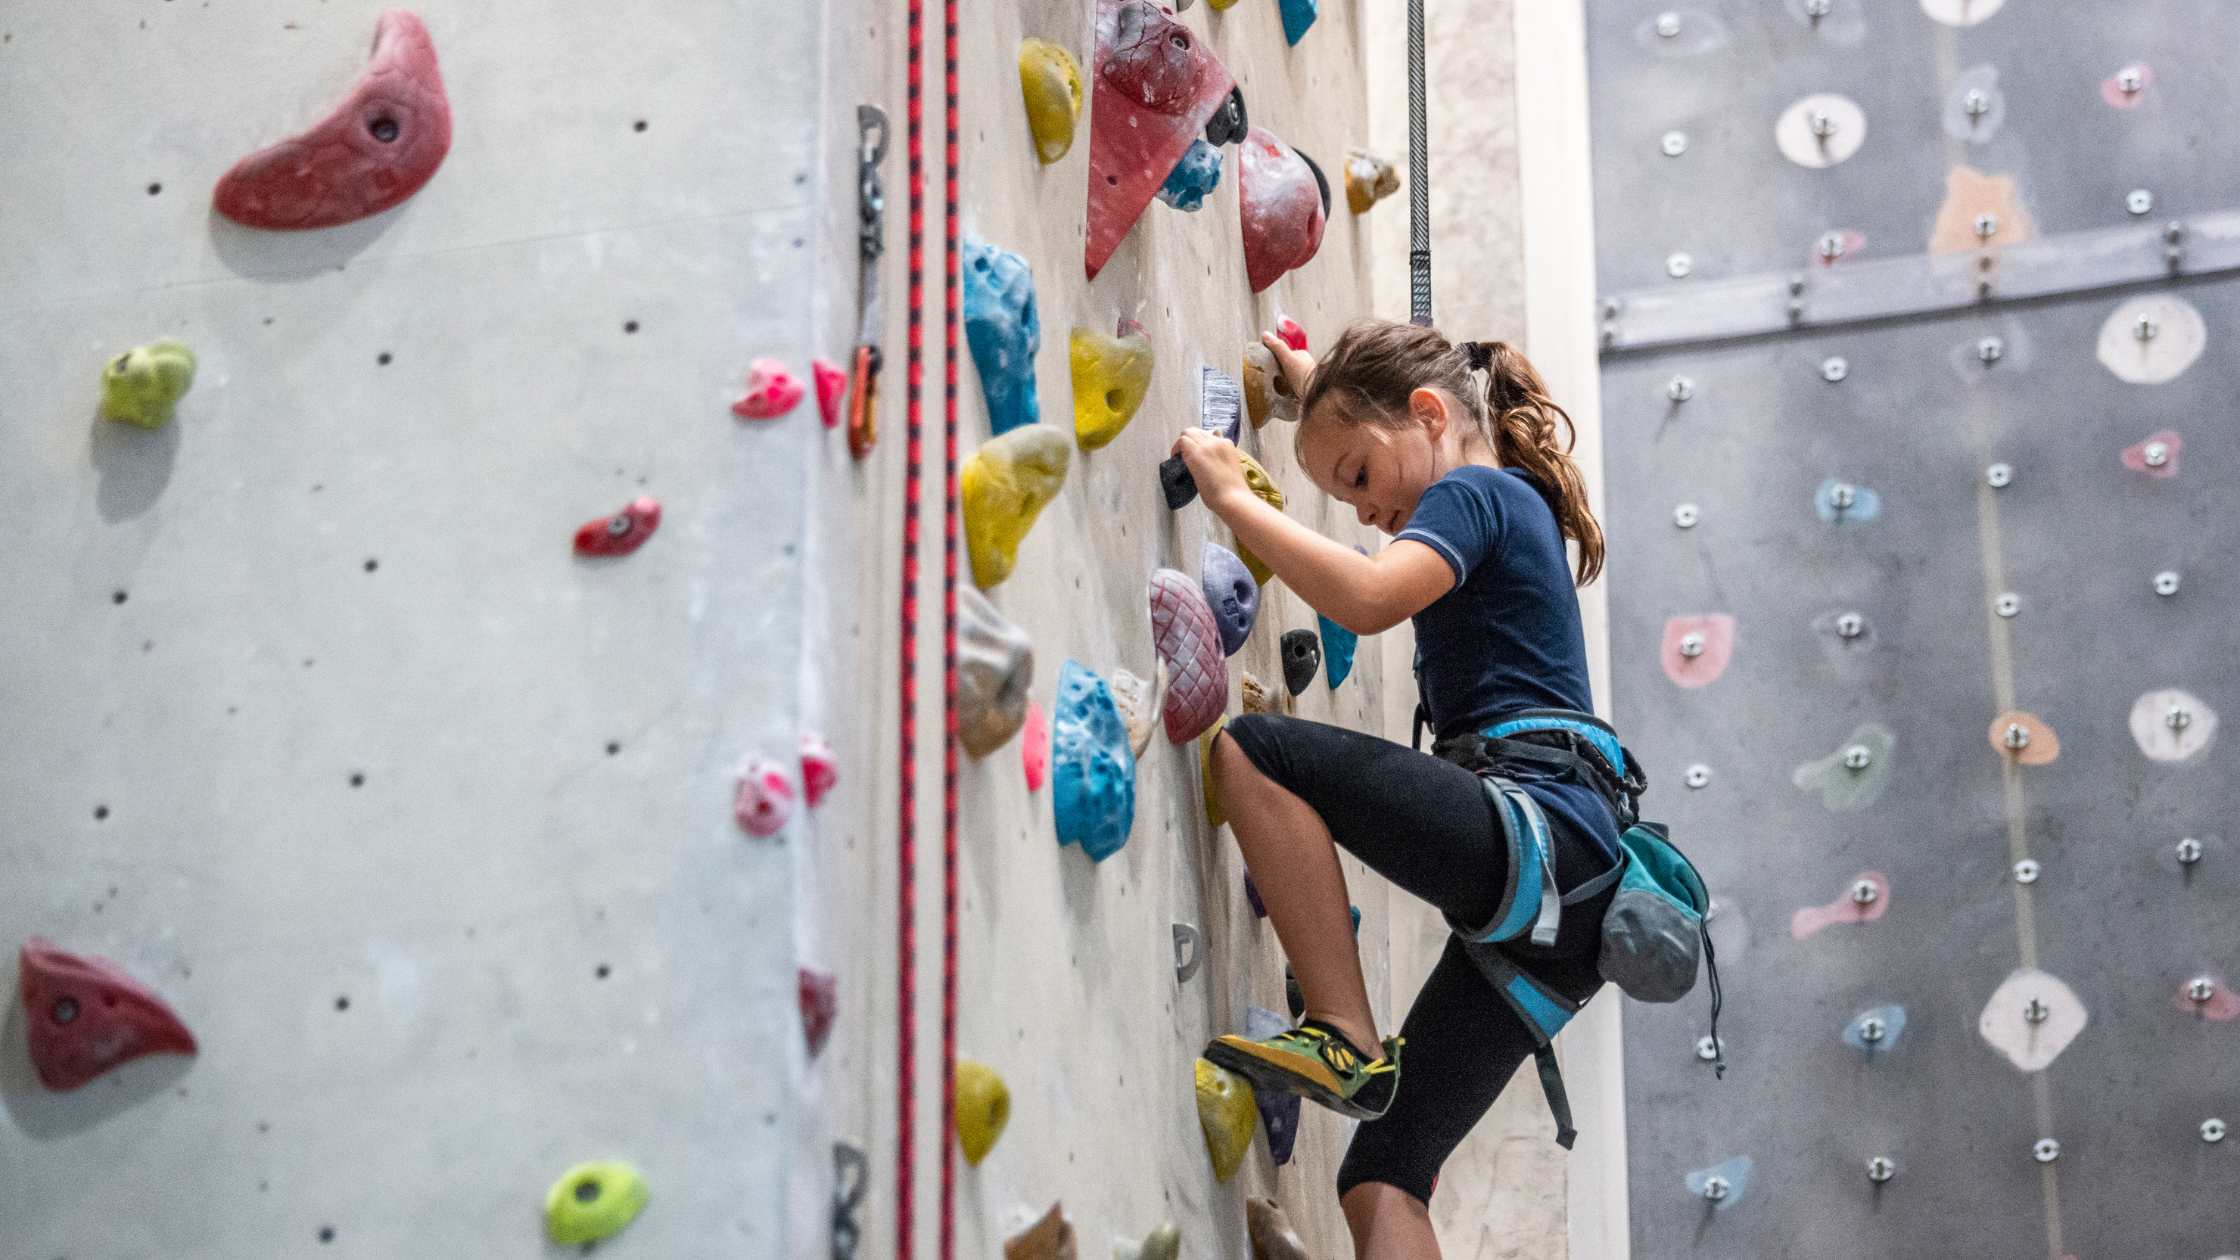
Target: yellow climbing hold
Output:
{"points": [[1214, 816], [1219, 5], [1226, 1114], [1050, 79], [1163, 1243], [1110, 377], [143, 385], [1003, 488], [1263, 485], [593, 1201], [983, 1107]]}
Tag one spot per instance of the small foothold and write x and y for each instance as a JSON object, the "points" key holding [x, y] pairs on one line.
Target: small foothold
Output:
{"points": [[819, 768], [1220, 404], [1369, 179], [1110, 377], [1003, 487], [1291, 333], [621, 533], [1231, 593], [1271, 1232], [1050, 79], [1050, 1238], [1226, 1116], [1156, 87], [1298, 15], [1215, 817], [1302, 656], [995, 666], [832, 384], [1034, 749], [143, 385], [1282, 207], [1189, 952], [1338, 645], [1266, 394], [1260, 483], [818, 994], [772, 391], [1138, 700], [593, 1201], [1176, 484], [983, 1107], [85, 1016], [378, 146], [1196, 174], [764, 801], [1093, 781], [1163, 1243], [1188, 641], [1260, 698], [1004, 331]]}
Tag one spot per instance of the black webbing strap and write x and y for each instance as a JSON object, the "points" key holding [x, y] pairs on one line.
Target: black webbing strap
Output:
{"points": [[1559, 1102]]}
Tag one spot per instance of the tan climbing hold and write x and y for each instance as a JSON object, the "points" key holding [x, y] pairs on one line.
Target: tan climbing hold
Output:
{"points": [[1214, 816], [983, 1105], [1369, 179], [995, 667], [1271, 1232], [1226, 1115], [1974, 201], [1003, 487], [1110, 377], [1139, 701], [1050, 1238], [1050, 79], [1259, 697], [1263, 485], [1267, 395], [1163, 1243]]}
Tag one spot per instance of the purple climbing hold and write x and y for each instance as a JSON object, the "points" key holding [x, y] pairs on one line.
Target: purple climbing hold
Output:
{"points": [[1004, 331], [1093, 771], [1302, 656], [1233, 595]]}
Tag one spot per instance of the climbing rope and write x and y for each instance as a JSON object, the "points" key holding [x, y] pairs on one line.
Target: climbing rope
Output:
{"points": [[906, 831], [1419, 177], [952, 289]]}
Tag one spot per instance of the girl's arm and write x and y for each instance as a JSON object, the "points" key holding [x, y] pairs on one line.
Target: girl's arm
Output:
{"points": [[1365, 594]]}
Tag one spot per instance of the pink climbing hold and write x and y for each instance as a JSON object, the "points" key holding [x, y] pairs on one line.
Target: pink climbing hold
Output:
{"points": [[1696, 649], [86, 1016], [2156, 455], [2127, 87], [1188, 641], [2222, 1004], [1864, 901], [623, 532], [765, 800], [373, 150], [831, 384], [1281, 204], [819, 768], [1034, 749], [818, 994], [1292, 334], [772, 391]]}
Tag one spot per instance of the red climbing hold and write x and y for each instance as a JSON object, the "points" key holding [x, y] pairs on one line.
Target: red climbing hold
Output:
{"points": [[1156, 87], [819, 768], [772, 391], [831, 384], [1281, 203], [819, 1000], [87, 1016], [1034, 749], [622, 533], [765, 799], [373, 150], [1293, 335]]}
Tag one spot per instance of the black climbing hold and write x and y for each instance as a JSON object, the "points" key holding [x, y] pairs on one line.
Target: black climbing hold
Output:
{"points": [[1302, 656], [1228, 124], [1177, 483], [1321, 181]]}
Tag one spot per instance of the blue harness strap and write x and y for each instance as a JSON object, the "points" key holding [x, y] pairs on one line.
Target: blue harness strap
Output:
{"points": [[1583, 725]]}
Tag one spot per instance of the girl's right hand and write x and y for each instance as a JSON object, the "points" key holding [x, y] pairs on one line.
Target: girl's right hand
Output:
{"points": [[1296, 365]]}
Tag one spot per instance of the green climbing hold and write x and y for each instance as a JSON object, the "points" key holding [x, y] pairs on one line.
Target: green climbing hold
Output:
{"points": [[593, 1201], [143, 385]]}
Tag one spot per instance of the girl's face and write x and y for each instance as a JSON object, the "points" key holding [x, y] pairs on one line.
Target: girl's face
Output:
{"points": [[1379, 470]]}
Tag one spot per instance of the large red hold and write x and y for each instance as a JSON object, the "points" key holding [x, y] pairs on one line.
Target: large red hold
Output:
{"points": [[87, 1016], [1281, 200], [375, 149], [1156, 87]]}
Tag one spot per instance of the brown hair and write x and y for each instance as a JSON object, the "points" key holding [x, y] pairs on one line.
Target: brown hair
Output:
{"points": [[1374, 365]]}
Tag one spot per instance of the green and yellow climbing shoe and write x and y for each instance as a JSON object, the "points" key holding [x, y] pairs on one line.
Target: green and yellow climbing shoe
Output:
{"points": [[1316, 1062]]}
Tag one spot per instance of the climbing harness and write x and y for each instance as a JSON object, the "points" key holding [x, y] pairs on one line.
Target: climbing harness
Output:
{"points": [[1419, 177], [871, 243]]}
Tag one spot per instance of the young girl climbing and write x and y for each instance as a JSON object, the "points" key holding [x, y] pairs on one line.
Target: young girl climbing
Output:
{"points": [[1479, 494]]}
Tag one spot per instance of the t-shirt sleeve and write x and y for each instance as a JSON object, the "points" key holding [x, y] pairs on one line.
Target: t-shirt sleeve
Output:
{"points": [[1459, 519]]}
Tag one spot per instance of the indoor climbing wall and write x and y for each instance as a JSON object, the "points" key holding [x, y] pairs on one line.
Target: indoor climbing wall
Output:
{"points": [[1069, 983], [1916, 324], [462, 848]]}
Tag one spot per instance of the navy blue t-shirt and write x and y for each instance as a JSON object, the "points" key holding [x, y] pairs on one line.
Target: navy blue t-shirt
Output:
{"points": [[1507, 637]]}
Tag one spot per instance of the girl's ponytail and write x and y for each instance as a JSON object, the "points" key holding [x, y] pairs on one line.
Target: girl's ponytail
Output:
{"points": [[1523, 420]]}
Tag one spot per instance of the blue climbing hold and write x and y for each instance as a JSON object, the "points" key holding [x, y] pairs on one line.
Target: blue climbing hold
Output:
{"points": [[1093, 770], [1337, 650], [1839, 501], [1232, 592], [1298, 15], [1876, 1029], [1279, 1109], [1194, 175], [1004, 331]]}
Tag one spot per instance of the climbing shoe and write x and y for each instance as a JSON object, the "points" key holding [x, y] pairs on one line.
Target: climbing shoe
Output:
{"points": [[1316, 1062]]}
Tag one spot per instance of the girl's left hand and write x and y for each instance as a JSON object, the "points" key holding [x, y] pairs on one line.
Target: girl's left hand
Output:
{"points": [[1213, 464]]}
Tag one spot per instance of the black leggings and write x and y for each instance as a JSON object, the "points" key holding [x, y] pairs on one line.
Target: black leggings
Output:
{"points": [[1426, 825]]}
